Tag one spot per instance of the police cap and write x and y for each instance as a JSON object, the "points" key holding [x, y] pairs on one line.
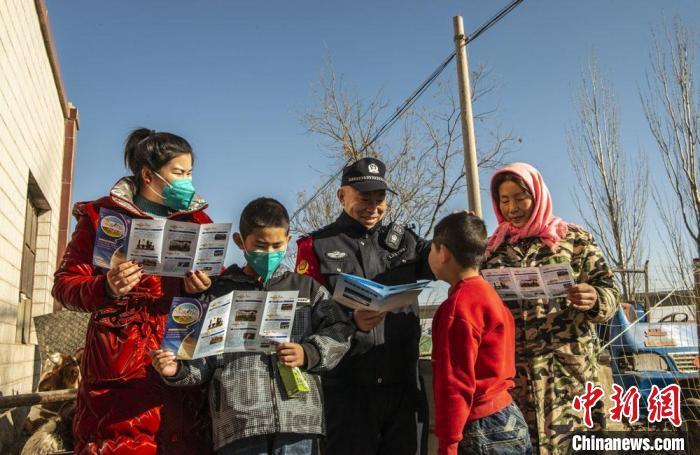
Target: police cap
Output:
{"points": [[365, 175]]}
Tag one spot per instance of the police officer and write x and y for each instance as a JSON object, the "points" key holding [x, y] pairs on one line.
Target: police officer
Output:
{"points": [[375, 402]]}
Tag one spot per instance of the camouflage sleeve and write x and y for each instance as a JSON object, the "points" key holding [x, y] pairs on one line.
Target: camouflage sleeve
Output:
{"points": [[192, 372], [595, 271], [332, 331]]}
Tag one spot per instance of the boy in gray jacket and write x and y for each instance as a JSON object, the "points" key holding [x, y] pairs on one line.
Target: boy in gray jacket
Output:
{"points": [[251, 411]]}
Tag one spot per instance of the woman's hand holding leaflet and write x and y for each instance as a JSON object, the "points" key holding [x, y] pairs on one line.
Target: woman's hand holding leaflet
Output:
{"points": [[583, 297], [123, 278], [196, 282]]}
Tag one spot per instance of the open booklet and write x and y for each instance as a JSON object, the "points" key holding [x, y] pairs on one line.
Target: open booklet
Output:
{"points": [[362, 294], [164, 247], [547, 281], [236, 322]]}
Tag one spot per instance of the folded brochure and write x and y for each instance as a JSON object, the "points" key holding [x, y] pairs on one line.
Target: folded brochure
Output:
{"points": [[543, 282], [241, 321], [362, 294], [164, 247]]}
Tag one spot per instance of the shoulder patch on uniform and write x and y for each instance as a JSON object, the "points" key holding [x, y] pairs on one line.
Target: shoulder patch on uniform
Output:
{"points": [[305, 241], [303, 267]]}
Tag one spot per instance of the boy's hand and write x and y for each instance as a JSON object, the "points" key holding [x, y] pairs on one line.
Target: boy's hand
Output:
{"points": [[366, 320], [583, 297], [123, 278], [164, 362], [196, 282], [290, 354]]}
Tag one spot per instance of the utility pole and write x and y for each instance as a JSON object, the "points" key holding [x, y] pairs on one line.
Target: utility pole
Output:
{"points": [[471, 170]]}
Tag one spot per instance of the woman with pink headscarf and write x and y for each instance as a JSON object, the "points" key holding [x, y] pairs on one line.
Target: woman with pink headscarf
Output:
{"points": [[556, 346]]}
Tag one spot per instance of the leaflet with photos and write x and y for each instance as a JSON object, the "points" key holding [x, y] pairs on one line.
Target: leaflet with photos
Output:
{"points": [[241, 321], [543, 282], [164, 247]]}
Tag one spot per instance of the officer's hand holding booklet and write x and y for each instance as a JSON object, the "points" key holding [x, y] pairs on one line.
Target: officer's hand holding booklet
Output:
{"points": [[163, 247], [543, 282], [236, 322], [362, 294]]}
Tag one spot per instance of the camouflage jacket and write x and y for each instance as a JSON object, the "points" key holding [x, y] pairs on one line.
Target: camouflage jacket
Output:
{"points": [[549, 325], [556, 346]]}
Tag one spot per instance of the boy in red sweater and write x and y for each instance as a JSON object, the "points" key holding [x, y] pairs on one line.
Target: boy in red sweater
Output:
{"points": [[473, 349]]}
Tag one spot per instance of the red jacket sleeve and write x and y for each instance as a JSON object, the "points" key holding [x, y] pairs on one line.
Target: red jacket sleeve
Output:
{"points": [[455, 349], [76, 285], [307, 262]]}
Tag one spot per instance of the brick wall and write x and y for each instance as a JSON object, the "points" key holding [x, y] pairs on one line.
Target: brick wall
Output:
{"points": [[31, 142]]}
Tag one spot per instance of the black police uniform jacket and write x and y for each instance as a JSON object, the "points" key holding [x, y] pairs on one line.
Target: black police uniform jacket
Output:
{"points": [[390, 255]]}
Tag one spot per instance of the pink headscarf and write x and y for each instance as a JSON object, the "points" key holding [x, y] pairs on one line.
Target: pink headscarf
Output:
{"points": [[549, 228]]}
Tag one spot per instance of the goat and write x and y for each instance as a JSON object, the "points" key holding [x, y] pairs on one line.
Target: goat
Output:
{"points": [[49, 426], [55, 435]]}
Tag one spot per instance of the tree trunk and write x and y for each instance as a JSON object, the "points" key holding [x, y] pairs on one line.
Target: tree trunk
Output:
{"points": [[696, 276]]}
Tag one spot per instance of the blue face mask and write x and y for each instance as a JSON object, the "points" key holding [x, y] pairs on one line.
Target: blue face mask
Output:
{"points": [[178, 194], [264, 263]]}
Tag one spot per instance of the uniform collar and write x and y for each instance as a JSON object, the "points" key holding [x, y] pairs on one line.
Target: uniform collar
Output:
{"points": [[347, 223]]}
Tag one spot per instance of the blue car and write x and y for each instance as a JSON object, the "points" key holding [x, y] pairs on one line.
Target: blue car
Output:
{"points": [[645, 353]]}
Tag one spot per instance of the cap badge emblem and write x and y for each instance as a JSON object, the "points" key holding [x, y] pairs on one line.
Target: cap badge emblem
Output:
{"points": [[373, 168]]}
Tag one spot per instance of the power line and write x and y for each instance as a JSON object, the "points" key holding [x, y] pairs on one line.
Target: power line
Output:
{"points": [[410, 101], [497, 17], [383, 128]]}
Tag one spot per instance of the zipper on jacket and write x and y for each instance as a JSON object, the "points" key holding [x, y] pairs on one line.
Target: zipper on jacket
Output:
{"points": [[273, 375]]}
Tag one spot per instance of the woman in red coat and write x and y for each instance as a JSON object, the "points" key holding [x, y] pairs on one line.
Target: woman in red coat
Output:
{"points": [[123, 406]]}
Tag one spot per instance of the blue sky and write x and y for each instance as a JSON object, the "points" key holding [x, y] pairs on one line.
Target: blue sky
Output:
{"points": [[234, 78]]}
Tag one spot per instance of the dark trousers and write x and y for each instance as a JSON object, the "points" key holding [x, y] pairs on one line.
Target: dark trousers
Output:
{"points": [[376, 420], [504, 433]]}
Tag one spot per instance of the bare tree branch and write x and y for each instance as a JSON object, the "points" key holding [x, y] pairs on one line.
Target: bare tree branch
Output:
{"points": [[671, 105], [425, 164], [611, 192], [678, 273]]}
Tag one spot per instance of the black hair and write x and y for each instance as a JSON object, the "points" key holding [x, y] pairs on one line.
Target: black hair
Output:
{"points": [[263, 212], [465, 236], [507, 177], [151, 149]]}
